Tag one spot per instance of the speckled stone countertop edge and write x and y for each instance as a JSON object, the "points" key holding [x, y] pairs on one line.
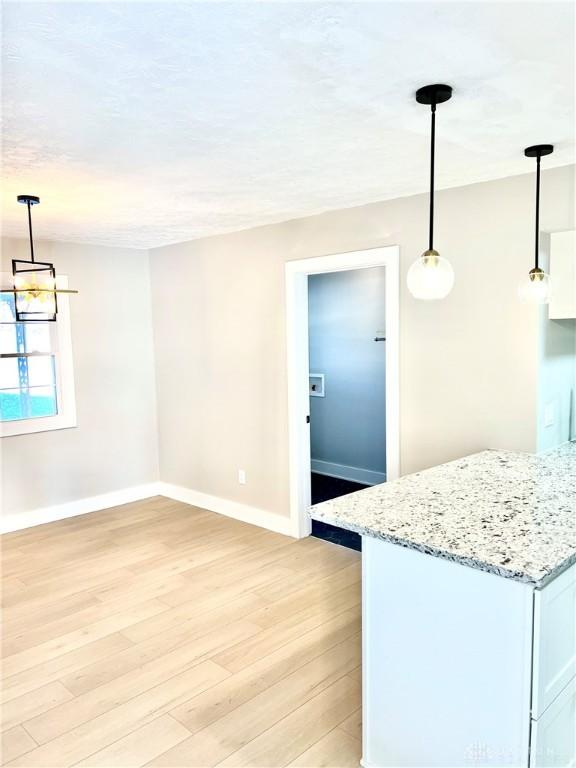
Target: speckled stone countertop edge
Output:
{"points": [[521, 524], [469, 562]]}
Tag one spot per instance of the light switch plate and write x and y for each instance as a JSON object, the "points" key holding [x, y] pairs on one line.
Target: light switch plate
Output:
{"points": [[549, 415]]}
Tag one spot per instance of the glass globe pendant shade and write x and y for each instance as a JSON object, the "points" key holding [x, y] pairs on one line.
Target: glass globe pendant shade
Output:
{"points": [[536, 287], [430, 277]]}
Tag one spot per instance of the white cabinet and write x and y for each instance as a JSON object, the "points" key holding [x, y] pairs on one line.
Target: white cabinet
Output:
{"points": [[563, 275], [463, 667], [554, 733]]}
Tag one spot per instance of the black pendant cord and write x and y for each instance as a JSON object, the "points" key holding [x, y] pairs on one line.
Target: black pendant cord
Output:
{"points": [[432, 95], [432, 147], [537, 233], [538, 151], [30, 230]]}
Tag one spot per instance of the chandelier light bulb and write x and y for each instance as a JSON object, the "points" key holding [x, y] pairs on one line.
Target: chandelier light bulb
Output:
{"points": [[35, 293], [430, 277], [535, 288]]}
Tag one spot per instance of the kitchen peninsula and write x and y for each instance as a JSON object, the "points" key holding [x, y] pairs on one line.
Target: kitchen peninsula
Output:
{"points": [[469, 611]]}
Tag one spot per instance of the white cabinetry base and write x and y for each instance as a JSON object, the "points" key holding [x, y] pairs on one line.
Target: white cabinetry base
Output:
{"points": [[447, 661]]}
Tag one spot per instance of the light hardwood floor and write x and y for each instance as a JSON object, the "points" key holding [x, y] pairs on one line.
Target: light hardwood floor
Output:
{"points": [[164, 635]]}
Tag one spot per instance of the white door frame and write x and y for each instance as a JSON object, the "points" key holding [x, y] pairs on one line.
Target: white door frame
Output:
{"points": [[298, 367]]}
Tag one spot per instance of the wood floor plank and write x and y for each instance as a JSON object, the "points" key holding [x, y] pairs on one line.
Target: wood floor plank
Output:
{"points": [[17, 621], [140, 746], [209, 640], [83, 618], [299, 730], [290, 635], [35, 597], [353, 724], [356, 674], [56, 556], [162, 634], [139, 679], [336, 749], [53, 669], [61, 645], [11, 584], [57, 574], [101, 731], [104, 520], [204, 709], [15, 742], [316, 599], [245, 722], [243, 555], [252, 580], [32, 704], [318, 555], [267, 552], [340, 575], [192, 614]]}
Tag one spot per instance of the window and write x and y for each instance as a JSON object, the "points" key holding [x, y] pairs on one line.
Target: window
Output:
{"points": [[36, 374]]}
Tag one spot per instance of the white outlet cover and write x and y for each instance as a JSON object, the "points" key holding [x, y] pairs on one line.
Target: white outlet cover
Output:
{"points": [[549, 415], [316, 385], [242, 477]]}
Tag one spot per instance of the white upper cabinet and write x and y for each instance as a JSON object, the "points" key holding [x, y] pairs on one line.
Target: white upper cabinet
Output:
{"points": [[563, 275]]}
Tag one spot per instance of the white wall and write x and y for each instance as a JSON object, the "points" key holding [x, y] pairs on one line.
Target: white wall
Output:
{"points": [[114, 445], [348, 425], [470, 368], [469, 364]]}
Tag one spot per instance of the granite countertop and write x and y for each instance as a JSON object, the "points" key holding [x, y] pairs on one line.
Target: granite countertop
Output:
{"points": [[513, 514]]}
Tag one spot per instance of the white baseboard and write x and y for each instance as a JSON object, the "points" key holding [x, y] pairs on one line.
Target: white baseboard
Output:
{"points": [[344, 472], [19, 521], [253, 515], [235, 509]]}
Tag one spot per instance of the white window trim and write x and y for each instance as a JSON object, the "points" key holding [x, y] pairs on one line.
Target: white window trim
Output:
{"points": [[66, 397]]}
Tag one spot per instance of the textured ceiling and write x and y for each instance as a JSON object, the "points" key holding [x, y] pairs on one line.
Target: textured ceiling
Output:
{"points": [[142, 123]]}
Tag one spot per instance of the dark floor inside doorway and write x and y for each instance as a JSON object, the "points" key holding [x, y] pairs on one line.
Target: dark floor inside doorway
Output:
{"points": [[323, 489]]}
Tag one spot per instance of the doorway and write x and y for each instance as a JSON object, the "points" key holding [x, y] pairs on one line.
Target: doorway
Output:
{"points": [[374, 457], [347, 363]]}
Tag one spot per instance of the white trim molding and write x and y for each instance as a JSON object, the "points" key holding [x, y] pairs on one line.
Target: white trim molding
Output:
{"points": [[243, 512], [247, 514], [344, 472], [297, 273], [20, 520], [253, 515]]}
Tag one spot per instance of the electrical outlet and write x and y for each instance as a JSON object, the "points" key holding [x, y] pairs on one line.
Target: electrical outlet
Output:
{"points": [[241, 477], [549, 415]]}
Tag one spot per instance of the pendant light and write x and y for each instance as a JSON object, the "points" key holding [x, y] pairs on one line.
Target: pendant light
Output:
{"points": [[535, 287], [431, 276], [34, 286]]}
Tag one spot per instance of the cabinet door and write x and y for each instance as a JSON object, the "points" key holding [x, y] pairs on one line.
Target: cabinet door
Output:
{"points": [[554, 640], [553, 742], [563, 275]]}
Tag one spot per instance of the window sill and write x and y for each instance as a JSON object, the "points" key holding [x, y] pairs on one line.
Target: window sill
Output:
{"points": [[30, 426]]}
